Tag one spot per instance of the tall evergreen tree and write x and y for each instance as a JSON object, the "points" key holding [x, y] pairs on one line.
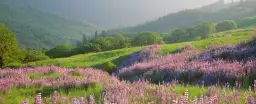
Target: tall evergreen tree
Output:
{"points": [[103, 33], [85, 39], [96, 34]]}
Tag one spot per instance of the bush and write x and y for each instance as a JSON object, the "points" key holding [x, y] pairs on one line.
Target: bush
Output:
{"points": [[109, 67], [34, 55], [59, 51], [225, 26]]}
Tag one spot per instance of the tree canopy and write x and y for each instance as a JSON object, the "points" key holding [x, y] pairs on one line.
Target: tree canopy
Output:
{"points": [[147, 38], [9, 50], [226, 25]]}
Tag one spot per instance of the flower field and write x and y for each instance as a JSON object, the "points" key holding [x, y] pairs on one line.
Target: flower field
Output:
{"points": [[91, 86]]}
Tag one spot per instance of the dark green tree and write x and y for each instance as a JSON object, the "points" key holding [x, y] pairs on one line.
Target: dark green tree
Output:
{"points": [[104, 42], [85, 39], [119, 41], [34, 55], [179, 35], [103, 33], [9, 50], [147, 38], [225, 26], [96, 35], [60, 51], [204, 29]]}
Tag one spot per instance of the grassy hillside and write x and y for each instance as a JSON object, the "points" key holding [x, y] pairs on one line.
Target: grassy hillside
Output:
{"points": [[195, 16], [95, 59], [87, 60], [36, 29]]}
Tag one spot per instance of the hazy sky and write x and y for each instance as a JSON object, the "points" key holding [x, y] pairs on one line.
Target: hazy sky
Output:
{"points": [[115, 13]]}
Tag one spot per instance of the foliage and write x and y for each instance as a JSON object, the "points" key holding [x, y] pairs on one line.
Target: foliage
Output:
{"points": [[119, 41], [246, 22], [178, 35], [9, 50], [197, 32], [34, 55], [204, 29], [86, 48], [41, 30], [104, 42], [98, 44], [147, 38], [59, 51], [225, 26], [93, 59], [109, 67], [215, 12]]}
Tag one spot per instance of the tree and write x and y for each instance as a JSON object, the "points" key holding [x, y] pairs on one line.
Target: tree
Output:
{"points": [[103, 33], [59, 51], [96, 34], [86, 48], [104, 42], [34, 55], [147, 38], [204, 29], [85, 39], [9, 50], [226, 25], [179, 35], [119, 41]]}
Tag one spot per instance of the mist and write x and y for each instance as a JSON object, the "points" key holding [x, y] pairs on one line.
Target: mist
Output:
{"points": [[111, 14]]}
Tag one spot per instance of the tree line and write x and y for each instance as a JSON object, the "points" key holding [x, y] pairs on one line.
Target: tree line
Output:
{"points": [[104, 42], [11, 52], [198, 32]]}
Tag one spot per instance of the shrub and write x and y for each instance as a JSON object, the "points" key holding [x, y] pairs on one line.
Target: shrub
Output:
{"points": [[109, 67], [225, 26], [59, 51], [34, 55]]}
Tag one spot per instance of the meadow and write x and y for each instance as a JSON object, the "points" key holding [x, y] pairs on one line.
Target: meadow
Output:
{"points": [[217, 70], [97, 59]]}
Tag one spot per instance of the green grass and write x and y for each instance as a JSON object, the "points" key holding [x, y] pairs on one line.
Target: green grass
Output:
{"points": [[116, 56], [237, 36], [194, 91], [15, 95], [77, 74], [50, 74], [87, 60]]}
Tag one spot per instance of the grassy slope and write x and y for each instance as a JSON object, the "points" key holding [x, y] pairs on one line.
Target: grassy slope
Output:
{"points": [[95, 59], [88, 60]]}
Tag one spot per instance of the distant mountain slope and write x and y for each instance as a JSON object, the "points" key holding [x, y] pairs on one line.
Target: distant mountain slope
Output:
{"points": [[215, 12], [36, 29]]}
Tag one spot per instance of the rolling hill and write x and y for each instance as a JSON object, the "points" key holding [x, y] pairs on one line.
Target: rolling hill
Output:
{"points": [[96, 59], [36, 29], [214, 13]]}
